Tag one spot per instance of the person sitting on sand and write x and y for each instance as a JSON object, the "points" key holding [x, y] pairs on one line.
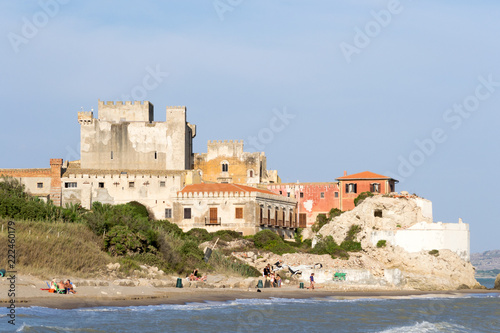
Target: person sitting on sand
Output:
{"points": [[69, 287], [53, 286], [195, 273], [60, 286]]}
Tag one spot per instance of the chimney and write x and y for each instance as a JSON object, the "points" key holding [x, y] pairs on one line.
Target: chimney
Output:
{"points": [[345, 173]]}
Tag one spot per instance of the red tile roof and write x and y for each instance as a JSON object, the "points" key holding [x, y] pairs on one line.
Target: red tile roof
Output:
{"points": [[364, 175], [223, 188]]}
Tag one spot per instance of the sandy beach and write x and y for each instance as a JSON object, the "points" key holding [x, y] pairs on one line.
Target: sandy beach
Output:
{"points": [[104, 294]]}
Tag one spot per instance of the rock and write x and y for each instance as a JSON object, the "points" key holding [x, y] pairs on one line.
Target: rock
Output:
{"points": [[497, 283], [124, 283]]}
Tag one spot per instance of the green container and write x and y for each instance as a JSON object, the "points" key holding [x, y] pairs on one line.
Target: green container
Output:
{"points": [[301, 285], [2, 272], [260, 284], [179, 283]]}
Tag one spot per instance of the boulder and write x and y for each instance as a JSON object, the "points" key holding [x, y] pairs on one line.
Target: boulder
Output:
{"points": [[497, 283]]}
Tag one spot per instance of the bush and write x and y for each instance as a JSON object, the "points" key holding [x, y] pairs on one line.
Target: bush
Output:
{"points": [[353, 231], [381, 243], [334, 212], [327, 245], [200, 235], [268, 240], [262, 238], [321, 220], [226, 235], [351, 246], [434, 253], [361, 197]]}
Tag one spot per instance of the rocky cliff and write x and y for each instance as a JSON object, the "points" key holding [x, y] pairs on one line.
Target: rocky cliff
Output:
{"points": [[441, 269]]}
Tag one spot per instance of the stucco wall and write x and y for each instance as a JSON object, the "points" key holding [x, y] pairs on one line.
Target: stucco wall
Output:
{"points": [[154, 191], [425, 236]]}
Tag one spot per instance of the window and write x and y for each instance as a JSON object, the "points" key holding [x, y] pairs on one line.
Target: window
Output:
{"points": [[391, 186], [225, 167], [281, 192], [156, 155], [70, 184], [39, 185], [239, 213], [131, 184], [162, 184], [301, 194], [336, 194], [375, 187], [101, 185], [322, 195], [168, 213], [351, 188], [187, 213], [111, 154], [288, 194], [251, 173], [377, 213]]}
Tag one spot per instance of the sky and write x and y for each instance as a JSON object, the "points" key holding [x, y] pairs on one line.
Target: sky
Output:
{"points": [[407, 89]]}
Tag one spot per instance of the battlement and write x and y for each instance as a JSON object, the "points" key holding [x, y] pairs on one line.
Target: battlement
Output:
{"points": [[180, 108], [220, 142], [85, 117], [125, 111], [56, 161]]}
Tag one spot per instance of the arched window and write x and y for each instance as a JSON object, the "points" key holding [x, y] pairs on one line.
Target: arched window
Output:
{"points": [[225, 167]]}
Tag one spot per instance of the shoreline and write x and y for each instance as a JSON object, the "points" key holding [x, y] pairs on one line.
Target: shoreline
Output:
{"points": [[173, 296]]}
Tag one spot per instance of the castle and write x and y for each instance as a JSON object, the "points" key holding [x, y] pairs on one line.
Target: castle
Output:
{"points": [[127, 156]]}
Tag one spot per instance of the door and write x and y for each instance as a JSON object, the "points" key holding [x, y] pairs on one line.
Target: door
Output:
{"points": [[213, 216]]}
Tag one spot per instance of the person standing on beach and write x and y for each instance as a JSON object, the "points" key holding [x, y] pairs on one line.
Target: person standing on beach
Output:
{"points": [[311, 280]]}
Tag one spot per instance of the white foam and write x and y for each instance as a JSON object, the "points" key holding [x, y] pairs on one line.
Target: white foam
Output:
{"points": [[427, 327]]}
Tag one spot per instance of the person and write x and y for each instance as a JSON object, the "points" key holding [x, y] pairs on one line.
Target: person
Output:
{"points": [[53, 286], [311, 280], [69, 287], [278, 281], [192, 277], [60, 286], [195, 273], [267, 270], [278, 265], [273, 280]]}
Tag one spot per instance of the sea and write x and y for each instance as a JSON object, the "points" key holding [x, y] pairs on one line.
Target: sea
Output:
{"points": [[423, 313]]}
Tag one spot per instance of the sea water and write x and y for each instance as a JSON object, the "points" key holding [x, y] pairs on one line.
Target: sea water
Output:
{"points": [[465, 313]]}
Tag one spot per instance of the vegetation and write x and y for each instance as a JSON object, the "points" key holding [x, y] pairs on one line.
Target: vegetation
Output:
{"points": [[322, 219], [434, 253], [327, 245], [361, 197], [381, 243], [268, 240]]}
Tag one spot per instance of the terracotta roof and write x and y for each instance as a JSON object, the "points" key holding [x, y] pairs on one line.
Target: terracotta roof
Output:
{"points": [[223, 188], [364, 175]]}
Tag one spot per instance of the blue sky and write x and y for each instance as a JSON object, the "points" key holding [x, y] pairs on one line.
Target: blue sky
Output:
{"points": [[409, 89]]}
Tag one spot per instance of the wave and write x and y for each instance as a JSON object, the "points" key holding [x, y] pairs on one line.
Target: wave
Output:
{"points": [[43, 328], [427, 327]]}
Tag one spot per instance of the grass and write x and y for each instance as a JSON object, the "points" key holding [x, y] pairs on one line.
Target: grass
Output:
{"points": [[47, 249]]}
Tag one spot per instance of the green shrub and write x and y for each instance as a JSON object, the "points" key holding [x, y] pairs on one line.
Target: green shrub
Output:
{"points": [[353, 231], [200, 235], [334, 212], [321, 220], [279, 247], [434, 253], [351, 246], [327, 245], [381, 243], [264, 237], [361, 197], [226, 235]]}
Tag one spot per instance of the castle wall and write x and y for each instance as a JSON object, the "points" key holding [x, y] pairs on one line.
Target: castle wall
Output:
{"points": [[243, 167], [125, 138], [155, 191], [128, 111]]}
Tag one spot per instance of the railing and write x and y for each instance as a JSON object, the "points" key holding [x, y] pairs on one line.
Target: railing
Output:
{"points": [[213, 221]]}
